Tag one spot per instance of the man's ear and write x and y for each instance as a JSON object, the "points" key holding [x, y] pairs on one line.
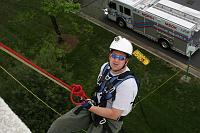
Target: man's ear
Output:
{"points": [[109, 55], [127, 60]]}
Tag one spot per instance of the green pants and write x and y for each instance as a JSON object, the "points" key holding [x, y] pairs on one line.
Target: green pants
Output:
{"points": [[71, 122]]}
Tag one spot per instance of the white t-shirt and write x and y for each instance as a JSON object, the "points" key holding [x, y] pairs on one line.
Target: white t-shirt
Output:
{"points": [[125, 94]]}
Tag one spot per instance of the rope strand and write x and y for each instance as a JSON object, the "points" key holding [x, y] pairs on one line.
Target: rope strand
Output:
{"points": [[158, 87], [30, 91], [34, 94]]}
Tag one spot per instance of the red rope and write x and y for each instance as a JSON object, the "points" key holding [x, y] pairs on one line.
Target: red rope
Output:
{"points": [[77, 90]]}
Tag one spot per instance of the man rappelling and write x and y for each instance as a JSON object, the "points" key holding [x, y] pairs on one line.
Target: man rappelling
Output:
{"points": [[112, 100]]}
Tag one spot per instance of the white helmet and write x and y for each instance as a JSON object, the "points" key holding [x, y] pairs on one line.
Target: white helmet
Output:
{"points": [[122, 44]]}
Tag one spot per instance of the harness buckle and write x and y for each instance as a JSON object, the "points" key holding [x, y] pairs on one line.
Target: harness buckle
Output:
{"points": [[107, 77], [101, 122]]}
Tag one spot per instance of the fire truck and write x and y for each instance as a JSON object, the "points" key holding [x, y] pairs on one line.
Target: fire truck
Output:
{"points": [[170, 24]]}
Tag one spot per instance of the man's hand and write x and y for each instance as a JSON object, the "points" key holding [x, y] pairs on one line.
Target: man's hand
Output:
{"points": [[87, 104]]}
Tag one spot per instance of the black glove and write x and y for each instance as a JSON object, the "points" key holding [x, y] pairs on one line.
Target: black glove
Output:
{"points": [[88, 104]]}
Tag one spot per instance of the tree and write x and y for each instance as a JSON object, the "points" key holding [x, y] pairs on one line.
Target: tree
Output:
{"points": [[56, 7]]}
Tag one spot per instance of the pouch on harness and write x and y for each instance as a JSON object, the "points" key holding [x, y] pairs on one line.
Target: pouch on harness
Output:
{"points": [[106, 86]]}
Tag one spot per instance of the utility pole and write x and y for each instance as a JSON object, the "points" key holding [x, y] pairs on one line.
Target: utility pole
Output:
{"points": [[190, 50], [188, 66]]}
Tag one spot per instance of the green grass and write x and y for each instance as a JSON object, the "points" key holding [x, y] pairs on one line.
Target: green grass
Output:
{"points": [[173, 108]]}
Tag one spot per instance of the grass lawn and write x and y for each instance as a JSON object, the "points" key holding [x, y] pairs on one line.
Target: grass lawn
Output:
{"points": [[173, 108]]}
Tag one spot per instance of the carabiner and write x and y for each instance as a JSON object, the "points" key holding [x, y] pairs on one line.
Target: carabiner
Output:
{"points": [[101, 122]]}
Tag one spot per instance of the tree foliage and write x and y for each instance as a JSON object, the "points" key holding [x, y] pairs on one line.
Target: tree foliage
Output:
{"points": [[55, 7]]}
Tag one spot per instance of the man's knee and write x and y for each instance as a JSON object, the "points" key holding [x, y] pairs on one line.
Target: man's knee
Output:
{"points": [[70, 122], [58, 126]]}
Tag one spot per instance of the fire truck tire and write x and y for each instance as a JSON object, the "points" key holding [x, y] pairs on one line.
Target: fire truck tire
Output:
{"points": [[164, 43], [121, 23]]}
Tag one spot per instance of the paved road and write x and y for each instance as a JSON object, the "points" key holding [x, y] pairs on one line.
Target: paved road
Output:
{"points": [[93, 9], [195, 4]]}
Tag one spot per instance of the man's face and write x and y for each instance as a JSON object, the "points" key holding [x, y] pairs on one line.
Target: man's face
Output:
{"points": [[117, 60]]}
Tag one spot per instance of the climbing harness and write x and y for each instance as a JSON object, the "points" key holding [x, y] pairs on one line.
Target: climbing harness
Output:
{"points": [[106, 87]]}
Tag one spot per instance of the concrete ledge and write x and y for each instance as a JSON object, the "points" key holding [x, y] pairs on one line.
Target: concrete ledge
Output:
{"points": [[9, 121]]}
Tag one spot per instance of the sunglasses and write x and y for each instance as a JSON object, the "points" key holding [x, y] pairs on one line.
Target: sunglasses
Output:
{"points": [[119, 57]]}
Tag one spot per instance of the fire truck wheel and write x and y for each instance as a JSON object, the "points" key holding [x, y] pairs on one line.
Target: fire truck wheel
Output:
{"points": [[164, 44], [121, 23]]}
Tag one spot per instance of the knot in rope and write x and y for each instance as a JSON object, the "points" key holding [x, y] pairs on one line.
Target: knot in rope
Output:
{"points": [[77, 90]]}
